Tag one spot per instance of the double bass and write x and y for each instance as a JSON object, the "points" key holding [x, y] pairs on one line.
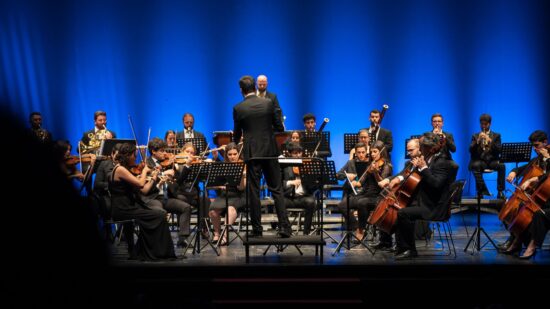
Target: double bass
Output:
{"points": [[384, 215]]}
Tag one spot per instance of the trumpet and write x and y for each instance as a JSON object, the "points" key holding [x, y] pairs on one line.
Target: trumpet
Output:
{"points": [[484, 140]]}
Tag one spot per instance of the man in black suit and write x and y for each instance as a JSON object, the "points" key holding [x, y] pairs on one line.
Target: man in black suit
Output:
{"points": [[377, 133], [91, 140], [188, 128], [446, 138], [255, 118], [262, 92], [485, 150], [437, 174]]}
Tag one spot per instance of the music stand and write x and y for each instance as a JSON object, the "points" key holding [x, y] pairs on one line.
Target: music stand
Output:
{"points": [[226, 174], [107, 145], [515, 152], [360, 168], [199, 172], [476, 235], [350, 139], [198, 142], [310, 139]]}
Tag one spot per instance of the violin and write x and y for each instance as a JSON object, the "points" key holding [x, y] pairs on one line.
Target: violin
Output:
{"points": [[296, 170], [137, 169], [72, 160]]}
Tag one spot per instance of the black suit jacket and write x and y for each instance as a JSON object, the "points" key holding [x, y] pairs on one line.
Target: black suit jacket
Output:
{"points": [[256, 119], [197, 134], [493, 153], [449, 145], [273, 97], [433, 190], [386, 137], [288, 174]]}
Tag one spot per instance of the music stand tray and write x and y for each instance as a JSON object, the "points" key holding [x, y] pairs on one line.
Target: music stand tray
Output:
{"points": [[107, 145], [350, 139], [198, 142]]}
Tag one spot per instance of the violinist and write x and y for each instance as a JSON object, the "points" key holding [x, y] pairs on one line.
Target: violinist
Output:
{"points": [[485, 148], [540, 224], [367, 185], [362, 137], [154, 239], [235, 199], [298, 194], [163, 196], [170, 139], [68, 163], [188, 190], [101, 184], [437, 173], [378, 133], [41, 134]]}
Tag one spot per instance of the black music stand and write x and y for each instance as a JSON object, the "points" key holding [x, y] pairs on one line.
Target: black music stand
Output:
{"points": [[198, 142], [515, 152], [476, 235], [199, 172], [311, 139], [226, 174], [360, 168], [350, 140]]}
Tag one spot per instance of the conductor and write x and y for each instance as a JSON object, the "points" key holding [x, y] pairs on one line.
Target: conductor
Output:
{"points": [[255, 119]]}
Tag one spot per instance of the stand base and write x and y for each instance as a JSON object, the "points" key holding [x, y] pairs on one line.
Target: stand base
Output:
{"points": [[475, 240], [348, 235]]}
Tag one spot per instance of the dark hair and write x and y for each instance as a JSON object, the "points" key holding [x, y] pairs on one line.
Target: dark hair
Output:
{"points": [[293, 146], [382, 147], [308, 116], [188, 114], [59, 149], [485, 117], [169, 132], [247, 84], [538, 136], [124, 153], [359, 145], [156, 144], [99, 113], [34, 114], [437, 115], [374, 111], [429, 139]]}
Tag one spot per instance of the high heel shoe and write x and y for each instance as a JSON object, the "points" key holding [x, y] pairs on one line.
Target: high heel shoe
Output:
{"points": [[512, 251], [532, 255]]}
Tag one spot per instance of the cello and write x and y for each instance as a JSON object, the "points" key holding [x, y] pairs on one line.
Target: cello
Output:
{"points": [[384, 215], [524, 216], [510, 209]]}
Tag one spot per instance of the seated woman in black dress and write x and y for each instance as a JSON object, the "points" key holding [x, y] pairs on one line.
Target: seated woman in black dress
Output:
{"points": [[234, 196], [154, 240]]}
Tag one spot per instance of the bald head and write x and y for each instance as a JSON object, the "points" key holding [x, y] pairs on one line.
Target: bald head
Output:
{"points": [[261, 81], [413, 148]]}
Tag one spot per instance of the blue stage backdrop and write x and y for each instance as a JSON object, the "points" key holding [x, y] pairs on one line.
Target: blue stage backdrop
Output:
{"points": [[156, 60]]}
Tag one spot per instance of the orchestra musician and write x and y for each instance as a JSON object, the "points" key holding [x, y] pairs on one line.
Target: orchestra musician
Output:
{"points": [[101, 184], [367, 185], [437, 173], [234, 196], [188, 128], [41, 134], [298, 194], [154, 240], [161, 195], [62, 150], [446, 138], [377, 133], [170, 139], [541, 220], [310, 124], [255, 118], [91, 140], [362, 137], [261, 82], [485, 148]]}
